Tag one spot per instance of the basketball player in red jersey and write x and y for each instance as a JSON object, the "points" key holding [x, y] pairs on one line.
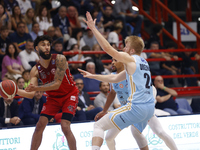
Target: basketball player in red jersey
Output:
{"points": [[53, 71]]}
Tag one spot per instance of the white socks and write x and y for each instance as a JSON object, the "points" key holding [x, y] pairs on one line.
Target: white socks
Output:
{"points": [[95, 148]]}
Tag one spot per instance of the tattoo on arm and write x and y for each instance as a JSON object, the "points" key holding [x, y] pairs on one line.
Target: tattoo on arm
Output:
{"points": [[60, 67]]}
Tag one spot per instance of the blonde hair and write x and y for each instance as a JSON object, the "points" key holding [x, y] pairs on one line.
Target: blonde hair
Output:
{"points": [[136, 43]]}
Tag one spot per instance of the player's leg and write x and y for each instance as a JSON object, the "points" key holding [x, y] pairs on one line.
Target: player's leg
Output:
{"points": [[98, 132], [37, 135], [140, 139], [65, 125], [69, 109], [110, 138], [158, 130]]}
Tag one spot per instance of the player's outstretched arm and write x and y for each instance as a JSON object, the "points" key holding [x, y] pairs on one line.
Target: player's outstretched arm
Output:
{"points": [[33, 82], [110, 99], [120, 56], [112, 78]]}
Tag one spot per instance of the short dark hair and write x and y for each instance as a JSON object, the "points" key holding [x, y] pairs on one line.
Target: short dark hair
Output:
{"points": [[20, 23], [29, 40], [25, 71], [57, 42], [19, 79], [4, 28], [42, 38], [34, 23]]}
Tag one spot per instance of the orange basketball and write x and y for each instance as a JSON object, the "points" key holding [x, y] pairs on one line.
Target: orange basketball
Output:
{"points": [[8, 89]]}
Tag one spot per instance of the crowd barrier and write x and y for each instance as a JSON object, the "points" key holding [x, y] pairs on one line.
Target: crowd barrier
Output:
{"points": [[185, 131]]}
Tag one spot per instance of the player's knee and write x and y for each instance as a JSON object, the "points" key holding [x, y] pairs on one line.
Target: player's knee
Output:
{"points": [[40, 126], [161, 134], [65, 126], [98, 131], [109, 139]]}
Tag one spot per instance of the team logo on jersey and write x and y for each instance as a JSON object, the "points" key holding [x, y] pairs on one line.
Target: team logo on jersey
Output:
{"points": [[53, 71], [121, 85], [53, 61], [73, 98], [70, 108], [43, 75]]}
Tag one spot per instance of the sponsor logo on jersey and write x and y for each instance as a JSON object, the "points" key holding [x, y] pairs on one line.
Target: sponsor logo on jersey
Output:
{"points": [[70, 108], [121, 85], [73, 98]]}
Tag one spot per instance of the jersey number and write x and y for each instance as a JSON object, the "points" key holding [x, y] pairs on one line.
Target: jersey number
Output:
{"points": [[147, 85]]}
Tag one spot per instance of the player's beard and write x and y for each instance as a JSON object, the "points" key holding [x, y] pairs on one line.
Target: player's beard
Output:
{"points": [[44, 56]]}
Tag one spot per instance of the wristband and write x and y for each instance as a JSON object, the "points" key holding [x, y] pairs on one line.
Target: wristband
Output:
{"points": [[164, 88], [85, 109]]}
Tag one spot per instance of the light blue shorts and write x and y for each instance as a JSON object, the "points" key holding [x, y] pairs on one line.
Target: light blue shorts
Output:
{"points": [[132, 114]]}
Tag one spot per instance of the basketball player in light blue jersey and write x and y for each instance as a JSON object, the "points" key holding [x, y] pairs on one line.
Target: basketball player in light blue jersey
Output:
{"points": [[140, 104], [120, 89]]}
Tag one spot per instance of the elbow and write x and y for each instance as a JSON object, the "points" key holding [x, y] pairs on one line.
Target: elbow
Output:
{"points": [[175, 94]]}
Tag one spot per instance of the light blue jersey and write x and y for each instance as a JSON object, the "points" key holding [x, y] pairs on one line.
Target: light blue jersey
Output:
{"points": [[140, 101], [139, 84], [121, 88]]}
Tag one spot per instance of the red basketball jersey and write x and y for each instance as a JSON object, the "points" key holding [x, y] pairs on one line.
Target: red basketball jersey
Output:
{"points": [[46, 75]]}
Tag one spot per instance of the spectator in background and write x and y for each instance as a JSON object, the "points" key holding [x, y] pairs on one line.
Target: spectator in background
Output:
{"points": [[11, 65], [57, 47], [24, 5], [155, 66], [101, 98], [44, 20], [29, 109], [78, 57], [5, 18], [76, 38], [9, 113], [28, 56], [4, 41], [108, 22], [26, 75], [35, 30], [54, 33], [72, 15], [113, 37], [48, 4], [9, 4], [30, 19], [84, 102], [122, 9], [188, 66], [89, 38], [17, 17], [19, 37], [91, 84], [155, 35], [165, 98], [61, 22], [20, 84]]}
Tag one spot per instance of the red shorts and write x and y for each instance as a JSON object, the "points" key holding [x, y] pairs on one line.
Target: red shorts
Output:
{"points": [[67, 103]]}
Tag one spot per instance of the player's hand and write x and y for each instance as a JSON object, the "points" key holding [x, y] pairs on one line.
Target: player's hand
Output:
{"points": [[90, 22], [30, 88], [52, 119], [99, 115], [85, 73]]}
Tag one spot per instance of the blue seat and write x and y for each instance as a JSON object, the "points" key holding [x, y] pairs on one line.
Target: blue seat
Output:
{"points": [[183, 103]]}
